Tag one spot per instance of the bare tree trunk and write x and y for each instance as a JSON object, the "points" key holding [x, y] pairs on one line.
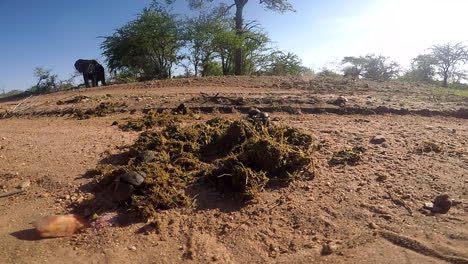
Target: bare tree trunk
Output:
{"points": [[445, 83], [239, 31]]}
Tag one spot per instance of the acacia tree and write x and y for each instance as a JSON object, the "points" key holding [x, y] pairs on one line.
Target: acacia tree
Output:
{"points": [[280, 6], [282, 63], [201, 34], [147, 46], [371, 67], [422, 69], [448, 57]]}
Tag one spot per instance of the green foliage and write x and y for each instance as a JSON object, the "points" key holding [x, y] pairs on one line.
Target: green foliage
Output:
{"points": [[422, 69], [371, 67], [328, 73], [281, 63], [462, 91], [46, 81], [148, 45], [125, 77], [10, 93], [211, 68], [201, 32]]}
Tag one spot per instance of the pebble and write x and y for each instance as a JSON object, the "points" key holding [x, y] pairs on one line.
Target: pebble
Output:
{"points": [[379, 139], [132, 248], [147, 156], [44, 195], [25, 184], [329, 248], [373, 225], [133, 178], [442, 204]]}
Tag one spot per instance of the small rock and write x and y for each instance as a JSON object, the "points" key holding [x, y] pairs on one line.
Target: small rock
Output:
{"points": [[25, 184], [428, 206], [44, 195], [3, 138], [386, 216], [147, 156], [373, 226], [340, 101], [378, 139], [132, 248], [442, 204], [133, 178], [66, 197], [329, 248]]}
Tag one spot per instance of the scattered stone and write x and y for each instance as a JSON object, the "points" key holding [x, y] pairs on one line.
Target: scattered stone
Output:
{"points": [[25, 184], [44, 195], [132, 248], [258, 116], [428, 206], [373, 226], [59, 225], [66, 197], [340, 101], [329, 248], [442, 204], [382, 177], [133, 178], [386, 216], [379, 139], [147, 156]]}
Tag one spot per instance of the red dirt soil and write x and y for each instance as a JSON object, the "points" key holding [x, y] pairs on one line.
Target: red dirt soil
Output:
{"points": [[367, 213]]}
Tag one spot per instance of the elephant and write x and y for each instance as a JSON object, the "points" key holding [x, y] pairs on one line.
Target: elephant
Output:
{"points": [[91, 70]]}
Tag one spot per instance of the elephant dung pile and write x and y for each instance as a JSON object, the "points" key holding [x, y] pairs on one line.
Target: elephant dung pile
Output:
{"points": [[102, 109], [235, 156]]}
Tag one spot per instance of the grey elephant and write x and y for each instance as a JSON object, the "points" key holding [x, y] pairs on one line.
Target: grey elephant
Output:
{"points": [[91, 70]]}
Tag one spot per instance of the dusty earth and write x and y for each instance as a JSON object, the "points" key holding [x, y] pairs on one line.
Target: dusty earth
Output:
{"points": [[367, 213]]}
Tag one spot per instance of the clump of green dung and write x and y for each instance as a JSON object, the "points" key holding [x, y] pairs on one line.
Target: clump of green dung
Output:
{"points": [[428, 146], [102, 109], [347, 156], [235, 156], [150, 120]]}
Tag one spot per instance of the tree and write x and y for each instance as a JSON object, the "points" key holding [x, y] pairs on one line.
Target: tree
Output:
{"points": [[281, 63], [146, 47], [371, 67], [274, 5], [422, 69], [448, 57], [46, 81], [201, 32]]}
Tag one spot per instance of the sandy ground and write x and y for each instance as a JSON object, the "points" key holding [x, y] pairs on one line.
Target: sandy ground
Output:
{"points": [[367, 213]]}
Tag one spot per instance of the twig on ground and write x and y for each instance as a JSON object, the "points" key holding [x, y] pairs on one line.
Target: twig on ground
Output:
{"points": [[10, 193], [14, 108]]}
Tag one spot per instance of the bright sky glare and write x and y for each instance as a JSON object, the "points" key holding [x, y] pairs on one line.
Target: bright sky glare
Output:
{"points": [[54, 33]]}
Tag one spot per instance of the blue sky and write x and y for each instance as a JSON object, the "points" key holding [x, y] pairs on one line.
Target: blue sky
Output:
{"points": [[54, 33]]}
